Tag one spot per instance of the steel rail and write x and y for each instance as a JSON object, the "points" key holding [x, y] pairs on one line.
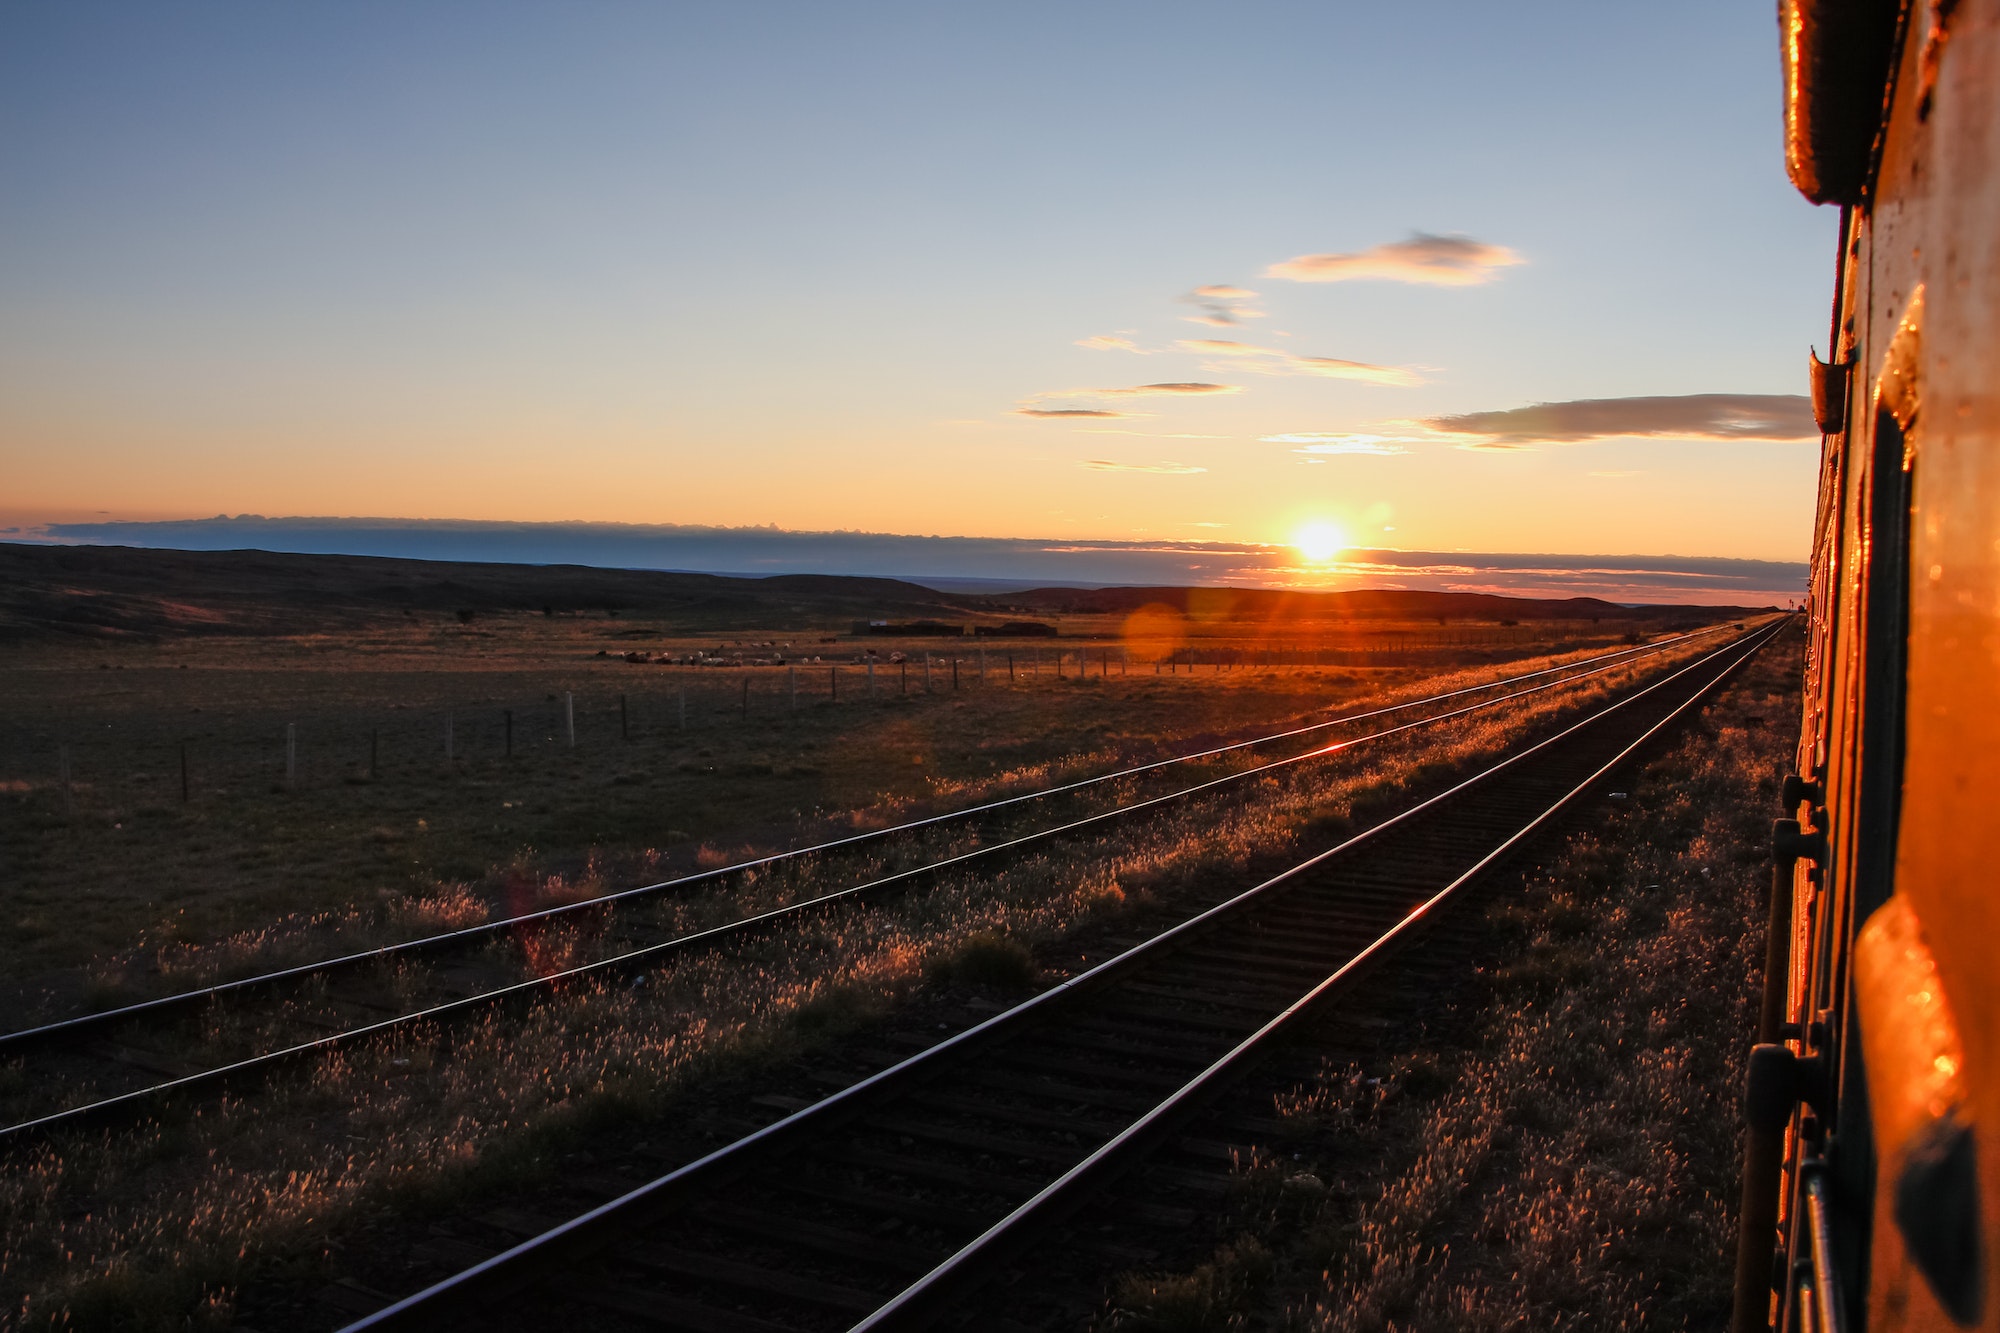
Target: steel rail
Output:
{"points": [[73, 1026], [717, 934], [919, 1304], [603, 1226]]}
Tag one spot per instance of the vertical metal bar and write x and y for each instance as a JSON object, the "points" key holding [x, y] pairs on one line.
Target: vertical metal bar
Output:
{"points": [[1828, 1304]]}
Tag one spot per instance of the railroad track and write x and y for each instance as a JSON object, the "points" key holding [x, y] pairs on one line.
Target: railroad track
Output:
{"points": [[94, 1067], [884, 1205]]}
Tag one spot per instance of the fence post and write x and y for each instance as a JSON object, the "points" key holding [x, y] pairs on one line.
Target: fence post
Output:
{"points": [[1010, 668], [569, 717], [291, 754], [184, 772], [904, 687]]}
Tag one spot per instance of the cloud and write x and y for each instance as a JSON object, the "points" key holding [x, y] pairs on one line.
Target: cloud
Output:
{"points": [[1694, 416], [1067, 412], [1322, 442], [1441, 261], [1331, 368], [1276, 361], [1109, 342], [1025, 562], [1172, 469], [1172, 387], [1222, 305]]}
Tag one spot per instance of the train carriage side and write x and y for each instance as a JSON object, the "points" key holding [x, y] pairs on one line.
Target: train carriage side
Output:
{"points": [[1872, 1167]]}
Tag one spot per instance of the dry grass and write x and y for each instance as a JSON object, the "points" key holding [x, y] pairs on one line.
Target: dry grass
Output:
{"points": [[1572, 1163], [121, 864], [156, 1227]]}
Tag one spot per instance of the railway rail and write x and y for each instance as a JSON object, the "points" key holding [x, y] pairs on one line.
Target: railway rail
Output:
{"points": [[104, 1053], [881, 1206]]}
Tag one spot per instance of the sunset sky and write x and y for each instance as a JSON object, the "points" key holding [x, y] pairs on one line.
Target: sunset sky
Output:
{"points": [[1251, 273]]}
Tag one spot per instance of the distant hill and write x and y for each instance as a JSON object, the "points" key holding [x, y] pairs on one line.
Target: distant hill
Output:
{"points": [[115, 592], [1368, 604]]}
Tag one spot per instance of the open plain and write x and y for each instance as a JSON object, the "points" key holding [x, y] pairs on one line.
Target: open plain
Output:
{"points": [[407, 773]]}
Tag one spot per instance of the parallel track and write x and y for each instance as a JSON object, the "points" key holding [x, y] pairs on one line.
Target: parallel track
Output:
{"points": [[110, 1041], [882, 1206]]}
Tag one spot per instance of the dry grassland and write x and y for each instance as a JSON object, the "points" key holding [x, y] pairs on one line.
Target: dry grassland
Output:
{"points": [[1561, 1154], [160, 1226]]}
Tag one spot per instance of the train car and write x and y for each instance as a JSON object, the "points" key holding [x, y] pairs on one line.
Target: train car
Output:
{"points": [[1871, 1189]]}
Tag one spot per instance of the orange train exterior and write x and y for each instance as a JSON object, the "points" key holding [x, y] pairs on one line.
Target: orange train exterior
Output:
{"points": [[1871, 1192]]}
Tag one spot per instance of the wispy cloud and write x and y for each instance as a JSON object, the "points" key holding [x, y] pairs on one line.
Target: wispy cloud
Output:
{"points": [[1174, 388], [1222, 305], [1064, 412], [1442, 261], [1324, 442], [1195, 387], [1277, 361], [1111, 342], [1170, 469], [1695, 416]]}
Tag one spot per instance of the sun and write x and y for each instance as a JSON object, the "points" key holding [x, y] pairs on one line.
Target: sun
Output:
{"points": [[1319, 542]]}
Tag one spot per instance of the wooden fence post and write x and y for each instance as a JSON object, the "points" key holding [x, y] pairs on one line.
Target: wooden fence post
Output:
{"points": [[569, 717]]}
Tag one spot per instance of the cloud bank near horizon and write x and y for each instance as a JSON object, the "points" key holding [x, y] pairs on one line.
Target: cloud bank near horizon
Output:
{"points": [[949, 561]]}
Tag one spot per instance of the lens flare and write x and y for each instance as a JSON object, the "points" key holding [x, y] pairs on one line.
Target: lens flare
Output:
{"points": [[1319, 542]]}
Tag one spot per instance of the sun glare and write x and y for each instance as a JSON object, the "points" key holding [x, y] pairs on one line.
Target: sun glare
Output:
{"points": [[1319, 542]]}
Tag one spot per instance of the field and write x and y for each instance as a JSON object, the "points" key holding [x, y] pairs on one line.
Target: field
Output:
{"points": [[119, 885], [107, 869]]}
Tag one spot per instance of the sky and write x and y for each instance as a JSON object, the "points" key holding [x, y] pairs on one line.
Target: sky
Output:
{"points": [[1503, 279]]}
